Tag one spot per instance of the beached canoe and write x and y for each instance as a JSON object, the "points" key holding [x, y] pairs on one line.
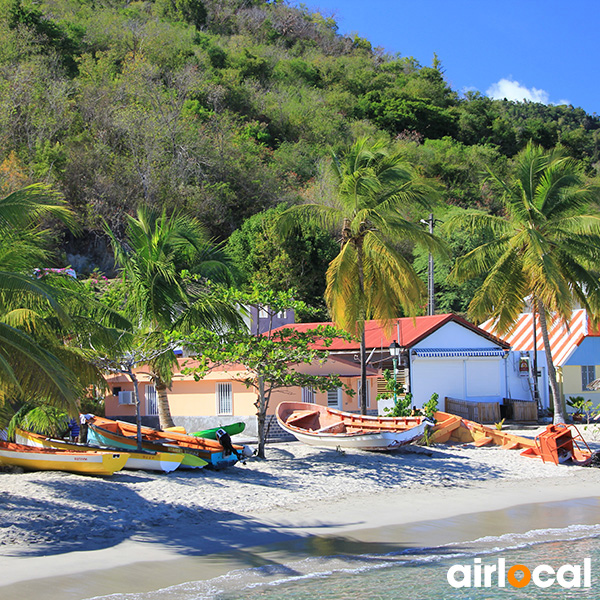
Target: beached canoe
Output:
{"points": [[322, 426], [102, 437], [123, 435], [211, 434], [44, 459], [148, 460]]}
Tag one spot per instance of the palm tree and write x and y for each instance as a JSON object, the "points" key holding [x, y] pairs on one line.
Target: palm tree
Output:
{"points": [[545, 248], [158, 297], [370, 278], [33, 362]]}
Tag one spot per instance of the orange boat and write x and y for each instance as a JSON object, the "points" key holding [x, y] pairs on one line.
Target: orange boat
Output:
{"points": [[124, 435], [556, 444]]}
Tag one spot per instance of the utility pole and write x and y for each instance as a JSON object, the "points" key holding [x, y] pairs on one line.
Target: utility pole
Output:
{"points": [[430, 284]]}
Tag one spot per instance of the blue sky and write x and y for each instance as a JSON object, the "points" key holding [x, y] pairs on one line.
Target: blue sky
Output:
{"points": [[541, 50]]}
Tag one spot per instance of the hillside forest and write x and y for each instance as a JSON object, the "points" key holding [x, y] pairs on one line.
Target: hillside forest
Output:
{"points": [[229, 111]]}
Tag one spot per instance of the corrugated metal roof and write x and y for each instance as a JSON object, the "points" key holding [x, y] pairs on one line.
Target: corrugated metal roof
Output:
{"points": [[411, 330], [564, 337]]}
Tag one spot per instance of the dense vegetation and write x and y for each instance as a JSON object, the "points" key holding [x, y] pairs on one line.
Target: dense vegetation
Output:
{"points": [[227, 108]]}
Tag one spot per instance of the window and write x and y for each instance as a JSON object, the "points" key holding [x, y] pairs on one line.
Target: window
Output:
{"points": [[224, 399], [334, 397], [151, 400], [588, 374], [358, 388], [125, 397], [308, 395]]}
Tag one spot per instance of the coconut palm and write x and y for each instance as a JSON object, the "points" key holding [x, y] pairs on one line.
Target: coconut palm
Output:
{"points": [[158, 296], [32, 362], [545, 248], [370, 278]]}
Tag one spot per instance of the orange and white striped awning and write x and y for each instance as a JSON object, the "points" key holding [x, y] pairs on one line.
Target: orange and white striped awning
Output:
{"points": [[564, 337]]}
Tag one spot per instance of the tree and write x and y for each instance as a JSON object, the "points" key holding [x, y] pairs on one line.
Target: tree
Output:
{"points": [[159, 296], [370, 278], [545, 248], [34, 360], [298, 262], [269, 361]]}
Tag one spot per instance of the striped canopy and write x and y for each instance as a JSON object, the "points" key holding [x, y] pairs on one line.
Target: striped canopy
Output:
{"points": [[564, 337]]}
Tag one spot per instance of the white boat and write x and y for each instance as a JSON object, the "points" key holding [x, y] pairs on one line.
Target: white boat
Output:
{"points": [[317, 425]]}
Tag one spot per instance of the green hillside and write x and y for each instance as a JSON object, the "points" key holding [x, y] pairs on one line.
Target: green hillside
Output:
{"points": [[226, 108]]}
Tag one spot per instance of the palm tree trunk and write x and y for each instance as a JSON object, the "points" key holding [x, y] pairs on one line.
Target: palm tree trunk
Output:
{"points": [[164, 411], [559, 405], [363, 345], [363, 372]]}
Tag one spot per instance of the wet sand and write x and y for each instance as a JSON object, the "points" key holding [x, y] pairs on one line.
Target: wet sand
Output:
{"points": [[70, 537]]}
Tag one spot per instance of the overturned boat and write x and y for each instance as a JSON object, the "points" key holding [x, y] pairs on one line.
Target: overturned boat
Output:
{"points": [[317, 425]]}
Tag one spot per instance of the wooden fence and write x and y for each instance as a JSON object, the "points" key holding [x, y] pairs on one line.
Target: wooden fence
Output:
{"points": [[480, 412], [521, 410]]}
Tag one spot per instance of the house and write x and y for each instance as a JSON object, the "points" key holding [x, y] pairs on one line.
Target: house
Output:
{"points": [[575, 348], [220, 398], [443, 354]]}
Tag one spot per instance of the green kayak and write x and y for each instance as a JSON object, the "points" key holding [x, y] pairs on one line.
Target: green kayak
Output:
{"points": [[211, 434]]}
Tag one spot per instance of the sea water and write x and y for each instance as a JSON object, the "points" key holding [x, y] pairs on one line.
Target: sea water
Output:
{"points": [[404, 574]]}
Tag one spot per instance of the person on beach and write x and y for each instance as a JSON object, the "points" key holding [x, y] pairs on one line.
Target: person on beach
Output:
{"points": [[74, 430]]}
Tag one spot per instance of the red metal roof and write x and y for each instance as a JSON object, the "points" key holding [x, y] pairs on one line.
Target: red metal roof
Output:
{"points": [[411, 331]]}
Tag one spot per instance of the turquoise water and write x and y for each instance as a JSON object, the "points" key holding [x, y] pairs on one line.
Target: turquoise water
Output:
{"points": [[414, 574]]}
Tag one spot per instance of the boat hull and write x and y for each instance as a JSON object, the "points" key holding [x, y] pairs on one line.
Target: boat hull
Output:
{"points": [[43, 459], [320, 426], [211, 434], [373, 442], [152, 461], [101, 437], [170, 441]]}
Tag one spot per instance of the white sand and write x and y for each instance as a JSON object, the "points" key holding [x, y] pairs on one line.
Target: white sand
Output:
{"points": [[56, 523]]}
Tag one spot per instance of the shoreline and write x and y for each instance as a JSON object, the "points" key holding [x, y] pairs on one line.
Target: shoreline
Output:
{"points": [[187, 528], [144, 565]]}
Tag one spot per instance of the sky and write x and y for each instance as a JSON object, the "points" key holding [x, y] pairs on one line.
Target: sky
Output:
{"points": [[540, 50]]}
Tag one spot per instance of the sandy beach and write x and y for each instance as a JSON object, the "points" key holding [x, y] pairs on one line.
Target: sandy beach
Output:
{"points": [[73, 537]]}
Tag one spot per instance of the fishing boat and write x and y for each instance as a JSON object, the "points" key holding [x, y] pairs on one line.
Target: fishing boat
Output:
{"points": [[322, 426], [124, 435], [211, 434], [45, 459], [148, 460]]}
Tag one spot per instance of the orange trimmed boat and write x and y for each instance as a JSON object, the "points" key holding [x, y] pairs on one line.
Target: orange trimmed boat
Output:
{"points": [[317, 425], [123, 435], [44, 459]]}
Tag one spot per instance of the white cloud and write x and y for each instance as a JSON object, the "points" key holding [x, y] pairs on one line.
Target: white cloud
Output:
{"points": [[513, 90]]}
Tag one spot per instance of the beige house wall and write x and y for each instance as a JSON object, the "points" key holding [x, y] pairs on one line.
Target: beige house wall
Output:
{"points": [[194, 404], [571, 384]]}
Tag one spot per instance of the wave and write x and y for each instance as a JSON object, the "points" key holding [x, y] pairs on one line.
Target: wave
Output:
{"points": [[235, 582]]}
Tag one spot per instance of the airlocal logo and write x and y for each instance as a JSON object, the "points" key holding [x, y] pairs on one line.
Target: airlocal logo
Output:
{"points": [[543, 576]]}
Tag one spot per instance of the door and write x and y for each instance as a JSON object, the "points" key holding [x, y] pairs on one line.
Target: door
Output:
{"points": [[334, 398], [151, 401]]}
